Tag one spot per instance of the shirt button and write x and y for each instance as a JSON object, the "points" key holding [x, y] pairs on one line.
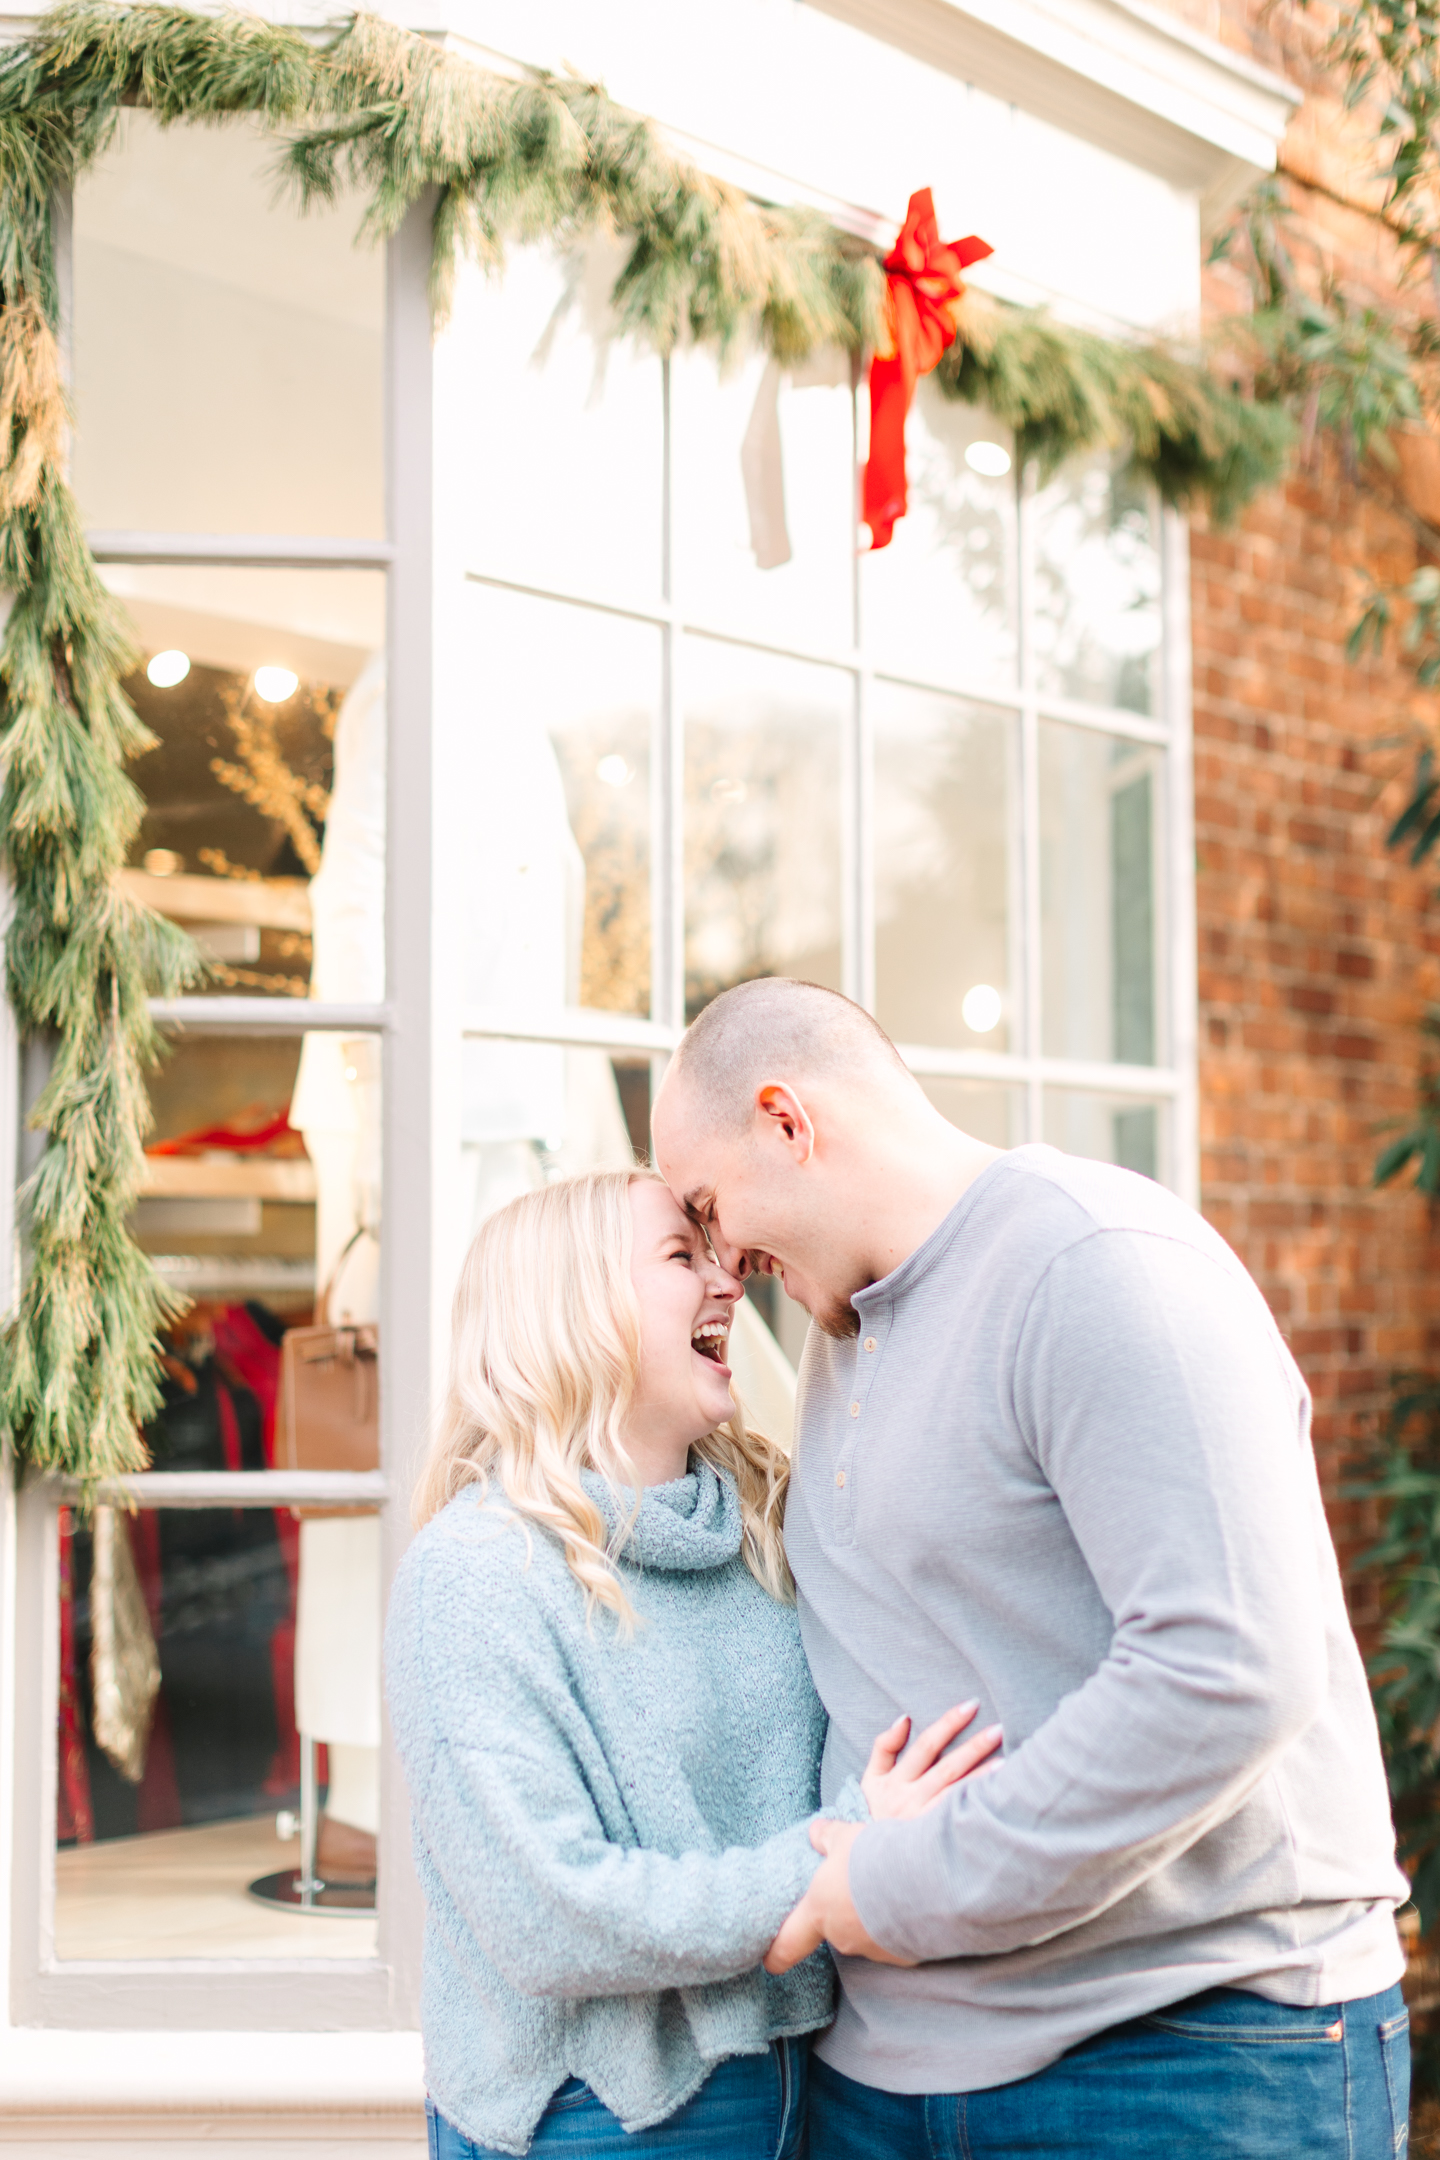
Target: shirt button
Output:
{"points": [[869, 1342], [854, 1409], [839, 1477]]}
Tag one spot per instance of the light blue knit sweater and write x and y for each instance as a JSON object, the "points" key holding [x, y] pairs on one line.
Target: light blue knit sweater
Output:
{"points": [[608, 1833]]}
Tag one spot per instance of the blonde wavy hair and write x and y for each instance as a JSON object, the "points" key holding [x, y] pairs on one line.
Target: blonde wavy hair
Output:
{"points": [[544, 1364]]}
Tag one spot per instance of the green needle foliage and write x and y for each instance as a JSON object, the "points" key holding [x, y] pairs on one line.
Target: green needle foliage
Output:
{"points": [[1405, 1670], [502, 161]]}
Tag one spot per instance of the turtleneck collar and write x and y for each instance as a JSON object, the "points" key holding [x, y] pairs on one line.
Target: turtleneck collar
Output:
{"points": [[691, 1523]]}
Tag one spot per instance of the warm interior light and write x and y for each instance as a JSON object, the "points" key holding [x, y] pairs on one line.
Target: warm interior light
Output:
{"points": [[163, 861], [613, 770], [167, 668], [987, 458], [981, 1009], [275, 684]]}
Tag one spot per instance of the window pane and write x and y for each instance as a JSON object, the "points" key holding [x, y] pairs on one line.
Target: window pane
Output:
{"points": [[939, 603], [1099, 823], [560, 436], [569, 701], [265, 690], [1110, 1128], [793, 441], [1097, 589], [228, 352], [762, 818], [980, 1108], [180, 1685], [942, 877]]}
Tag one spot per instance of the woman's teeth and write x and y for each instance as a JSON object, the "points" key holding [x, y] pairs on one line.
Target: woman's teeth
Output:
{"points": [[709, 1341]]}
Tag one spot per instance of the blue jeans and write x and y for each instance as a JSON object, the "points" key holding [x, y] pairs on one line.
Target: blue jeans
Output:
{"points": [[751, 2107], [1226, 2076]]}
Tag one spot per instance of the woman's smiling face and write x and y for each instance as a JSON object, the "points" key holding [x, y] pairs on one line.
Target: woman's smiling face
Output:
{"points": [[686, 1301]]}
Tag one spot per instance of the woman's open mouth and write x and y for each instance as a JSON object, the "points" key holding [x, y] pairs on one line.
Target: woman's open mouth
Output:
{"points": [[709, 1342]]}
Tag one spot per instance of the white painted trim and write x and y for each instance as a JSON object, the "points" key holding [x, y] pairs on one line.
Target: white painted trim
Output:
{"points": [[269, 1016], [272, 551], [1118, 72], [236, 1488], [577, 1027], [1151, 1083], [1182, 992], [137, 2083], [420, 1091]]}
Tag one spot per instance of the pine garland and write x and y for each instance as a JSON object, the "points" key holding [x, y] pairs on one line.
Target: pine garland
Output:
{"points": [[382, 109]]}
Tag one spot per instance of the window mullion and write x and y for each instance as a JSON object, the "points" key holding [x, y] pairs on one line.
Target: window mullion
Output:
{"points": [[1029, 811], [667, 991], [1176, 883], [857, 808]]}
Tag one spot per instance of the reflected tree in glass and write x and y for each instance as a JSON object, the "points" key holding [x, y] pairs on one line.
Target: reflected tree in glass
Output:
{"points": [[762, 820], [1097, 589]]}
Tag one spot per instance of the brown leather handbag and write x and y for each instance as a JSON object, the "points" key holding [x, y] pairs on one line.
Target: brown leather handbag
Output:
{"points": [[328, 1414]]}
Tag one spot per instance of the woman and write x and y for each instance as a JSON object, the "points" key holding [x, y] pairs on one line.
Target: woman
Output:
{"points": [[607, 1723]]}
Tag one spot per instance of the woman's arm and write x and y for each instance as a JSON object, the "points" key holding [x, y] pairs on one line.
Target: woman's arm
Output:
{"points": [[563, 1911], [504, 1773]]}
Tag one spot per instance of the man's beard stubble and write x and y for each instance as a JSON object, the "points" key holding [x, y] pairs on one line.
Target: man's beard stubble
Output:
{"points": [[839, 1321]]}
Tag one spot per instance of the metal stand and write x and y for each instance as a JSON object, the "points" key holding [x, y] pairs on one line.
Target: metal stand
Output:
{"points": [[305, 1891]]}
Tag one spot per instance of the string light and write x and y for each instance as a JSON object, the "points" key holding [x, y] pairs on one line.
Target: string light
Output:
{"points": [[168, 668], [275, 684]]}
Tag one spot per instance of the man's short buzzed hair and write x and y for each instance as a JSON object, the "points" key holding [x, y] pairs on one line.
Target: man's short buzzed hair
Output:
{"points": [[773, 1029]]}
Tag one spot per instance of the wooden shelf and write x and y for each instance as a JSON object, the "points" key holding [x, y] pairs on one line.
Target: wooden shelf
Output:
{"points": [[228, 1177], [266, 904]]}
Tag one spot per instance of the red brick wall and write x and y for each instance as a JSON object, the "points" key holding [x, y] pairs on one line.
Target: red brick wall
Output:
{"points": [[1319, 950]]}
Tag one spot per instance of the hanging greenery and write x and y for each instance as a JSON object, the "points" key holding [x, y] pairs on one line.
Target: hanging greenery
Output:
{"points": [[384, 110]]}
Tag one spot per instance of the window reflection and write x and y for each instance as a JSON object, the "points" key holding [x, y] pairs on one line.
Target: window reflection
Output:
{"points": [[562, 439], [762, 819], [1113, 1129], [939, 603], [942, 911], [228, 354], [569, 701], [993, 1114], [1097, 588], [765, 496], [1098, 836]]}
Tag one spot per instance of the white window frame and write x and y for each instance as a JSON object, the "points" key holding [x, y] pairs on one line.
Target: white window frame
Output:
{"points": [[1170, 1083], [295, 1994], [420, 1029]]}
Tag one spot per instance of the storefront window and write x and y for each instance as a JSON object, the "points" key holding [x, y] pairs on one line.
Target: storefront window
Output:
{"points": [[827, 797], [688, 735]]}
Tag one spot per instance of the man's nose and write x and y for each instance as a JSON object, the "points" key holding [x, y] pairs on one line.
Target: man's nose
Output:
{"points": [[733, 1258]]}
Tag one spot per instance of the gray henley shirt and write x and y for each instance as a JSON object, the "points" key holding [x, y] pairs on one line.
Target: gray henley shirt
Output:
{"points": [[1066, 1467]]}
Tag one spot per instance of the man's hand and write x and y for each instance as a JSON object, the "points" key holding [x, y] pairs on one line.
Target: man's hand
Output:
{"points": [[827, 1912]]}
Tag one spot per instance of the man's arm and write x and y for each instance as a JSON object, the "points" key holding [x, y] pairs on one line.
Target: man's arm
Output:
{"points": [[1153, 1394]]}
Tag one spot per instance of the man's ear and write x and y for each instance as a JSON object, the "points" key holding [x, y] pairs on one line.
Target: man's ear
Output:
{"points": [[783, 1116]]}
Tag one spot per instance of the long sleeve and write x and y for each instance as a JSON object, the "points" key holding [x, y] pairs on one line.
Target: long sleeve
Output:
{"points": [[1160, 1408], [511, 1791]]}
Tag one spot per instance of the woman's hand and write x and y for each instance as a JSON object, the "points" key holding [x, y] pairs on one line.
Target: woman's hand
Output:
{"points": [[897, 1786]]}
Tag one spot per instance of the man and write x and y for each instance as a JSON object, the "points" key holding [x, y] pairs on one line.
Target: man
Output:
{"points": [[1051, 1452]]}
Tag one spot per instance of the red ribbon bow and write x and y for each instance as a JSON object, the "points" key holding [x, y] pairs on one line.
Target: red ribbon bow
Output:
{"points": [[923, 286]]}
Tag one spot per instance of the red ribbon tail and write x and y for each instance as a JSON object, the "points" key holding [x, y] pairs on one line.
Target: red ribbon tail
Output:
{"points": [[883, 498]]}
